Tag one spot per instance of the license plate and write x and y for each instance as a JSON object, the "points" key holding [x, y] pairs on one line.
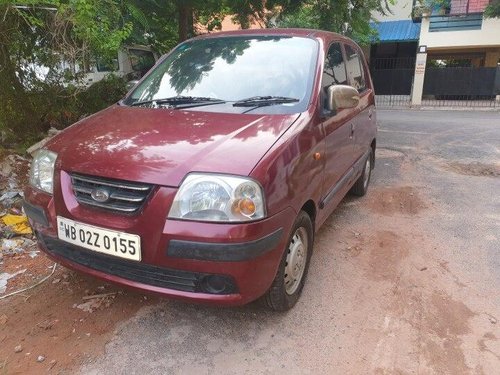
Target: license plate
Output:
{"points": [[120, 244]]}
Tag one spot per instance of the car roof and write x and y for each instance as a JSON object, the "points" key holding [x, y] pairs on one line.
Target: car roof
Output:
{"points": [[311, 33]]}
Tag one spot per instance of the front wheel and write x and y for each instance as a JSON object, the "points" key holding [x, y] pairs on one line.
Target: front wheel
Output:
{"points": [[360, 187], [291, 275]]}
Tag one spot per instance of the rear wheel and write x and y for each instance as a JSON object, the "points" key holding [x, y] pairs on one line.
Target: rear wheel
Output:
{"points": [[360, 187], [291, 275]]}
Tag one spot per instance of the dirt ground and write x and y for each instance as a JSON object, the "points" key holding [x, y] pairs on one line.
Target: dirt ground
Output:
{"points": [[57, 320], [403, 281]]}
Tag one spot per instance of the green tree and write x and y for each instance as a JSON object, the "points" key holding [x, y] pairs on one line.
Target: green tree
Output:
{"points": [[187, 15], [36, 39], [493, 9], [351, 17]]}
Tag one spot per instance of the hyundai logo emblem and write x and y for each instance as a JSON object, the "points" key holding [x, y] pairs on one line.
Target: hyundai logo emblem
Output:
{"points": [[100, 195]]}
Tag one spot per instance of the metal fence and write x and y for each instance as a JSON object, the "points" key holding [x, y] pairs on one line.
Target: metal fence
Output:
{"points": [[462, 87], [392, 101], [462, 101], [392, 79], [446, 86]]}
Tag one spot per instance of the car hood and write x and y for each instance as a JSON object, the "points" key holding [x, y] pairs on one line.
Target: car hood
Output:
{"points": [[161, 146]]}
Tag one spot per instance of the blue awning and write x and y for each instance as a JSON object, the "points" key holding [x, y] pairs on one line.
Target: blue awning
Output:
{"points": [[397, 31]]}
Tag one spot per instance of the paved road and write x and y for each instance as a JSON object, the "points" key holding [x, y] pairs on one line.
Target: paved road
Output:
{"points": [[404, 280], [467, 144]]}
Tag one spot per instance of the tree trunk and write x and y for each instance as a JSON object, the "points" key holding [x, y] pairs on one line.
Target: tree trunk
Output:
{"points": [[185, 18]]}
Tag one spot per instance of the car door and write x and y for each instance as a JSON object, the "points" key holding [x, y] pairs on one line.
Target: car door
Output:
{"points": [[363, 121], [337, 126]]}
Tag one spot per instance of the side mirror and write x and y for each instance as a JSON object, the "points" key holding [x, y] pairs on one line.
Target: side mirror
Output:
{"points": [[342, 96]]}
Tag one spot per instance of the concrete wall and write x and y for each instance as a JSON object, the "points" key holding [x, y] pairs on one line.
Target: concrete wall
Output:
{"points": [[401, 11], [488, 36]]}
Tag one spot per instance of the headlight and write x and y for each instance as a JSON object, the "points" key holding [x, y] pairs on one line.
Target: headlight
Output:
{"points": [[42, 170], [207, 197]]}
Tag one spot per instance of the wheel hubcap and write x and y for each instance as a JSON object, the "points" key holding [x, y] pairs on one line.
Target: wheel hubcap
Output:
{"points": [[296, 260], [366, 177]]}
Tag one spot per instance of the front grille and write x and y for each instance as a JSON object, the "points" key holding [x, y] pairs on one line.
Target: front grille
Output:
{"points": [[140, 272], [124, 196]]}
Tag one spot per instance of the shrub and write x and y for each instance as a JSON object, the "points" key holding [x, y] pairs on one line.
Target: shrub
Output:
{"points": [[26, 119], [101, 95]]}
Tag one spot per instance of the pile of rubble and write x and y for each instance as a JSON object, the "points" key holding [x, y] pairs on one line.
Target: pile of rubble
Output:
{"points": [[16, 236], [15, 232]]}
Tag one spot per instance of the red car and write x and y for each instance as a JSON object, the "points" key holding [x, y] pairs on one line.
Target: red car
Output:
{"points": [[208, 181]]}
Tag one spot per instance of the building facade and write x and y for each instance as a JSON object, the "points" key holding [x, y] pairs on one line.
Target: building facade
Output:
{"points": [[436, 53], [392, 54], [461, 54]]}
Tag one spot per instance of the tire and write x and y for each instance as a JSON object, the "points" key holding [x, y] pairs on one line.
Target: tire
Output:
{"points": [[360, 187], [286, 287]]}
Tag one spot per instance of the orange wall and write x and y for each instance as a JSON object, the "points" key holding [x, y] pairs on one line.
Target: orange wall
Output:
{"points": [[229, 25]]}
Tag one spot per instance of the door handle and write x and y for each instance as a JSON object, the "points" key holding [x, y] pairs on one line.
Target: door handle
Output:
{"points": [[352, 131]]}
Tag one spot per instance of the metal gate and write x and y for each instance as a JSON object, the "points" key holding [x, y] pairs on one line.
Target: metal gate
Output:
{"points": [[392, 79], [462, 87]]}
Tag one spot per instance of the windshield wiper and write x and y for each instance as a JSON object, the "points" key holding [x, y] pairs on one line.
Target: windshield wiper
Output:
{"points": [[262, 101], [180, 101]]}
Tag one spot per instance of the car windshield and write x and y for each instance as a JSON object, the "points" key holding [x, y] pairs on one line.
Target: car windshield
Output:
{"points": [[235, 68]]}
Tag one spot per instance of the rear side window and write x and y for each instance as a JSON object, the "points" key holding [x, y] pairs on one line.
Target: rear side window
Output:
{"points": [[355, 69]]}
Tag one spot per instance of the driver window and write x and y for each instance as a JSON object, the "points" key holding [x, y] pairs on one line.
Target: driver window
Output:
{"points": [[334, 70]]}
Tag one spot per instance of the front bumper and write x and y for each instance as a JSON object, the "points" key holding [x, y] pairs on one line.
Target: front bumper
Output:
{"points": [[224, 264]]}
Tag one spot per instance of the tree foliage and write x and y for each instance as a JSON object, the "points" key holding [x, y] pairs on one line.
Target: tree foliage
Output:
{"points": [[41, 43], [493, 9], [350, 17], [173, 21]]}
